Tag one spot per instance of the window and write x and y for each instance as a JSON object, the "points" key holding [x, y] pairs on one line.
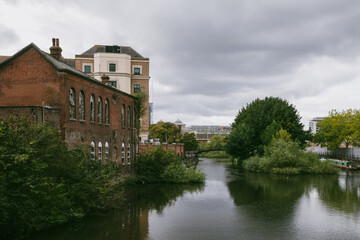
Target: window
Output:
{"points": [[106, 151], [112, 67], [107, 117], [100, 151], [123, 153], [134, 118], [128, 153], [92, 150], [81, 106], [136, 71], [136, 88], [129, 117], [115, 154], [100, 117], [92, 108], [112, 83], [72, 104], [123, 116], [87, 69]]}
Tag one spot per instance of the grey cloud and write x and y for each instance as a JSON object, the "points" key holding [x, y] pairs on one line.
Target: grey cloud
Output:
{"points": [[8, 36]]}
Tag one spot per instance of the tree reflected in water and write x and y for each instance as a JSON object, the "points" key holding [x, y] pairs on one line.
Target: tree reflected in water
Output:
{"points": [[128, 222]]}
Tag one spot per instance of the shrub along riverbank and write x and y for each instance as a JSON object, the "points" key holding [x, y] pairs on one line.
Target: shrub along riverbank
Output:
{"points": [[160, 166], [287, 157], [214, 154], [43, 183]]}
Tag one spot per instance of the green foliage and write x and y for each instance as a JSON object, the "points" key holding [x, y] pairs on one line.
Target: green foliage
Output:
{"points": [[217, 142], [214, 154], [287, 157], [190, 143], [256, 124], [338, 128], [164, 131], [239, 143], [163, 166], [141, 98], [43, 183]]}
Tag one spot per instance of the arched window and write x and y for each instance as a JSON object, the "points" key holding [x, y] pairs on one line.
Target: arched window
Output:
{"points": [[128, 153], [92, 150], [123, 153], [81, 106], [92, 108], [107, 116], [106, 151], [123, 116], [134, 118], [129, 116], [100, 151], [100, 112], [72, 104], [115, 154]]}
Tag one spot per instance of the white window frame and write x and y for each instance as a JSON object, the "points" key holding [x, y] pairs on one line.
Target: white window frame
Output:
{"points": [[136, 66]]}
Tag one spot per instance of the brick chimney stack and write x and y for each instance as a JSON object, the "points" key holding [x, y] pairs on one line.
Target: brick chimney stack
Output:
{"points": [[55, 49], [105, 79]]}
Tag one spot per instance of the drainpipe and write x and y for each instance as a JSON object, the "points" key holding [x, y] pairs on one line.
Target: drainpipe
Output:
{"points": [[43, 110]]}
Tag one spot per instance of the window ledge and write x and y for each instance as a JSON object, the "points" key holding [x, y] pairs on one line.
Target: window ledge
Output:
{"points": [[92, 122], [73, 119], [82, 121]]}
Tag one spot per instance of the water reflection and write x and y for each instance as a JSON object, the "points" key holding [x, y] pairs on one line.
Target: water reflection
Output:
{"points": [[233, 204], [129, 222]]}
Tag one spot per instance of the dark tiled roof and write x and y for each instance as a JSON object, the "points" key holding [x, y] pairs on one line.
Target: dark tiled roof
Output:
{"points": [[112, 49], [59, 66]]}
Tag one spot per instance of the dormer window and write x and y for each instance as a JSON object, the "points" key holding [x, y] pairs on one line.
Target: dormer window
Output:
{"points": [[112, 67]]}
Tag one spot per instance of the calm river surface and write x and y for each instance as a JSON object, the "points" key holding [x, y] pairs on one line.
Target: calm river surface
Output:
{"points": [[232, 204]]}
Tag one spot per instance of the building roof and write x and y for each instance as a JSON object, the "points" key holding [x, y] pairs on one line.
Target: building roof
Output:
{"points": [[111, 49], [59, 66]]}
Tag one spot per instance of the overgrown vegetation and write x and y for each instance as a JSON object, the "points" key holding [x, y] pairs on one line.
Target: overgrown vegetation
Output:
{"points": [[255, 125], [283, 156], [160, 166], [338, 128], [43, 183], [214, 154]]}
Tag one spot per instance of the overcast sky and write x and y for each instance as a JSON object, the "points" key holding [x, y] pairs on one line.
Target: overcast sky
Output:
{"points": [[209, 58]]}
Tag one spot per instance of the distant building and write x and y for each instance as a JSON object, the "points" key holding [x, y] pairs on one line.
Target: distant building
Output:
{"points": [[313, 124], [180, 124], [128, 71], [204, 133]]}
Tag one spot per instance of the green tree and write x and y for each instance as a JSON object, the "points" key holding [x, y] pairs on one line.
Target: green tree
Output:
{"points": [[256, 123], [338, 128], [217, 142], [164, 131], [190, 143], [239, 143], [43, 183]]}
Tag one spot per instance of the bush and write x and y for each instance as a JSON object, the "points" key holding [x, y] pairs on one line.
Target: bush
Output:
{"points": [[43, 183], [214, 154], [165, 166], [287, 157]]}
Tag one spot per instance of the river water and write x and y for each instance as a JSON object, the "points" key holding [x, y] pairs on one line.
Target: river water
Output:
{"points": [[232, 204]]}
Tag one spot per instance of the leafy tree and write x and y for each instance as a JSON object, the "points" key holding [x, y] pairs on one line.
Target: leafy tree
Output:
{"points": [[43, 183], [239, 143], [190, 143], [164, 131], [217, 142], [258, 121], [338, 128]]}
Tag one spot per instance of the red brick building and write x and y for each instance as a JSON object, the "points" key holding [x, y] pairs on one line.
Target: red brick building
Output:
{"points": [[86, 110]]}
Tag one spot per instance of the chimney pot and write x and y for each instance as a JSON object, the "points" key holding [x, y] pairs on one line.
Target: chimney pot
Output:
{"points": [[55, 50]]}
